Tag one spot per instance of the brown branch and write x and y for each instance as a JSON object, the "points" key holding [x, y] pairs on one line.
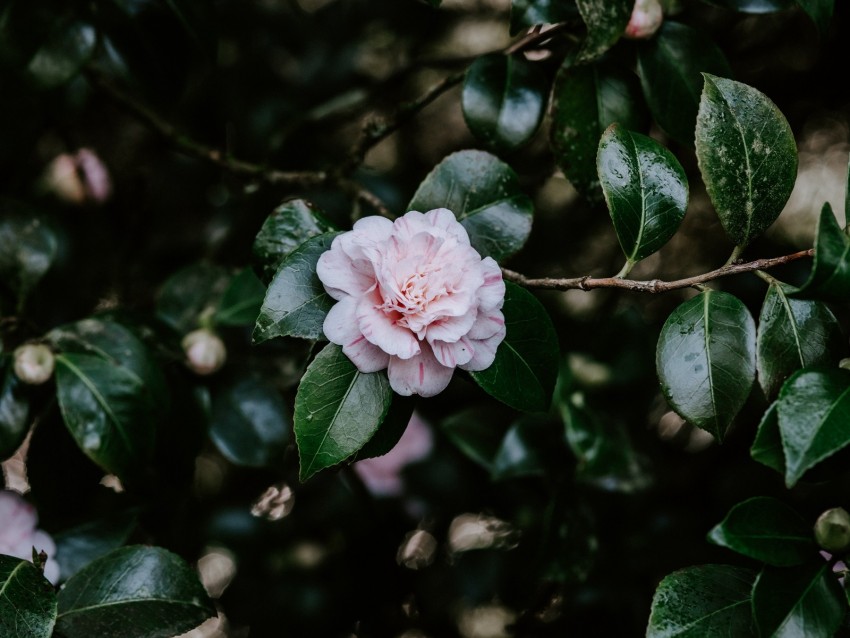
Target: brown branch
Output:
{"points": [[653, 285]]}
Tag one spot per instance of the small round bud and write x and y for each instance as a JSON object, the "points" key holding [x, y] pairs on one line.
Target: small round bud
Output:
{"points": [[646, 19], [832, 530], [79, 178], [844, 364], [34, 363], [205, 351]]}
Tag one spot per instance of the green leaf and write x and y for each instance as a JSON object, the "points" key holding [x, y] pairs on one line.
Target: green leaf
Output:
{"points": [[798, 601], [241, 302], [645, 188], [391, 429], [484, 194], [14, 413], [767, 448], [290, 225], [477, 432], [79, 546], [794, 334], [814, 409], [296, 302], [606, 21], [706, 360], [531, 447], [830, 276], [754, 6], [28, 248], [767, 530], [669, 66], [249, 423], [190, 294], [705, 601], [820, 11], [526, 366], [747, 156], [133, 592], [62, 56], [27, 600], [585, 101], [503, 100], [528, 13], [337, 410]]}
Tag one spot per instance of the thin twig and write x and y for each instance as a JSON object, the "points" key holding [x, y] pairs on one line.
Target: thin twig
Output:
{"points": [[653, 285]]}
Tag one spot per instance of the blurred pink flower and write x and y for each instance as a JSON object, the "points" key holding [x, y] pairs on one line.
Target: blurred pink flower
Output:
{"points": [[646, 19], [382, 474], [414, 297], [18, 533], [79, 178]]}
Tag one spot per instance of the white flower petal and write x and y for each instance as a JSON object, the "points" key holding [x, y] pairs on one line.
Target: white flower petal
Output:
{"points": [[341, 329], [342, 276], [422, 374]]}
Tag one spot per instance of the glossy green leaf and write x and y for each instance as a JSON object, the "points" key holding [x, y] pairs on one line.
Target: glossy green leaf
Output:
{"points": [[830, 276], [249, 423], [79, 546], [477, 432], [531, 447], [241, 302], [14, 413], [606, 21], [706, 601], [290, 225], [798, 601], [767, 530], [526, 366], [27, 600], [754, 6], [190, 294], [670, 67], [820, 11], [706, 360], [814, 409], [296, 302], [503, 100], [133, 592], [391, 429], [794, 334], [767, 447], [484, 194], [645, 188], [337, 410], [585, 101], [528, 13], [747, 156], [28, 248]]}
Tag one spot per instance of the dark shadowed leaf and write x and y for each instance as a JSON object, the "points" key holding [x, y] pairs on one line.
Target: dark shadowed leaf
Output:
{"points": [[391, 430], [526, 366], [527, 13], [645, 188], [606, 21], [296, 302], [133, 592], [830, 276], [706, 360], [337, 410], [14, 413], [798, 601], [478, 432], [484, 194], [533, 446], [747, 156], [190, 294], [585, 101], [753, 6], [670, 67], [290, 225], [241, 302], [820, 11], [794, 334], [767, 447], [27, 600], [503, 100], [62, 56], [77, 547], [706, 601], [814, 410], [249, 423], [28, 248], [767, 530]]}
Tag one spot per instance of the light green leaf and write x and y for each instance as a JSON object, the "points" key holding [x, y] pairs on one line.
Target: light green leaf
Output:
{"points": [[27, 600]]}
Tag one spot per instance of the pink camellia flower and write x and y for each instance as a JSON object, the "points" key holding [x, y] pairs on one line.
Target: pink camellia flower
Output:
{"points": [[646, 19], [414, 297], [18, 534]]}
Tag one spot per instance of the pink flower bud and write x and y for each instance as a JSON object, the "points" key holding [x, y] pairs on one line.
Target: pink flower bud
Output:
{"points": [[18, 533], [646, 19], [79, 178], [205, 351], [34, 363]]}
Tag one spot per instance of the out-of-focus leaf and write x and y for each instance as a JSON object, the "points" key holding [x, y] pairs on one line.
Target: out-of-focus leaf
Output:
{"points": [[814, 409], [28, 248], [767, 448], [241, 302], [190, 294], [747, 156], [753, 6], [14, 413], [798, 601], [477, 432], [337, 410], [767, 530], [290, 225], [78, 546], [645, 188], [133, 592], [706, 360], [526, 366], [705, 601], [296, 302], [830, 276], [670, 67], [62, 57], [249, 423], [531, 447], [820, 11], [569, 546], [585, 101], [27, 603], [606, 21], [794, 334], [484, 194], [528, 13]]}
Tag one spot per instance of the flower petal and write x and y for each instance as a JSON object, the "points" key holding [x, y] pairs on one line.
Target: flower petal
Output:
{"points": [[453, 354], [341, 329], [485, 352], [421, 374], [342, 276], [491, 295], [380, 329], [486, 325], [451, 329]]}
